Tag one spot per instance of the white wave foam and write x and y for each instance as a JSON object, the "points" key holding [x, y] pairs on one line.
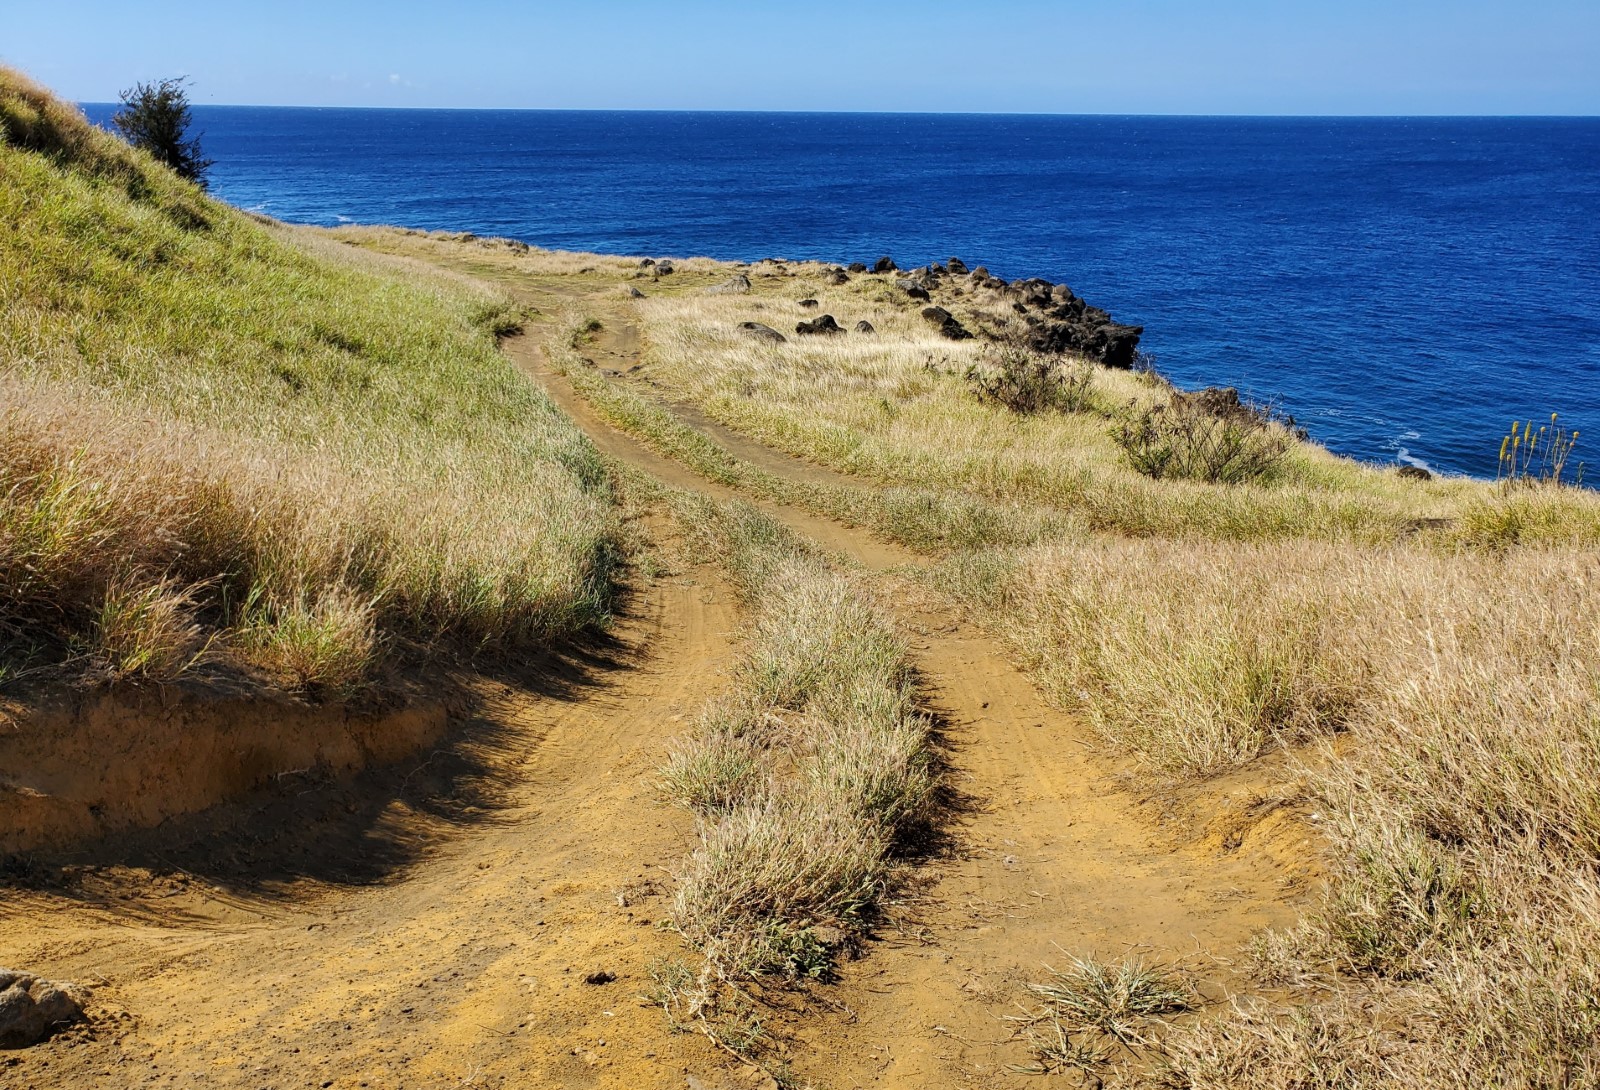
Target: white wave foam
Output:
{"points": [[1405, 457]]}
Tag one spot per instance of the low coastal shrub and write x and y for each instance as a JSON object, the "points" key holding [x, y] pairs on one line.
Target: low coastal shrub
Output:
{"points": [[1024, 381], [1188, 440]]}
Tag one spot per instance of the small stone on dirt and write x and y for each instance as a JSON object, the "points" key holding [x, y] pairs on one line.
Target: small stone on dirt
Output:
{"points": [[829, 937], [31, 1009], [809, 304], [600, 976]]}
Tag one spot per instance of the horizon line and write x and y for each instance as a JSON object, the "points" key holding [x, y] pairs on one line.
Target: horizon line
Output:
{"points": [[894, 113]]}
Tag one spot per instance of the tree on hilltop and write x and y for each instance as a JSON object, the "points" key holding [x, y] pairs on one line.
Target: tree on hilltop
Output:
{"points": [[155, 117]]}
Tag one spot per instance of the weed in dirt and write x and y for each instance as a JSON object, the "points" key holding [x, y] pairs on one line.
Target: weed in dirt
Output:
{"points": [[1095, 1016]]}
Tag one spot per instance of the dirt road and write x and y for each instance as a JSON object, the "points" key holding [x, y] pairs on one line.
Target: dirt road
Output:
{"points": [[432, 945]]}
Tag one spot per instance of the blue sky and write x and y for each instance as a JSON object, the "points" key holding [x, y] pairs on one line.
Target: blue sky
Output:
{"points": [[1139, 56]]}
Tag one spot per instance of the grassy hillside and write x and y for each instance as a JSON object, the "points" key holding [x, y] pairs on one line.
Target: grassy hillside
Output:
{"points": [[229, 444]]}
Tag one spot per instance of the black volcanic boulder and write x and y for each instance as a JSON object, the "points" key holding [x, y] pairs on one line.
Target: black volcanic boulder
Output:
{"points": [[953, 330], [857, 267], [912, 288], [884, 264], [1034, 292], [957, 267], [1415, 473], [864, 326], [809, 304], [936, 315], [762, 332], [837, 277], [821, 325]]}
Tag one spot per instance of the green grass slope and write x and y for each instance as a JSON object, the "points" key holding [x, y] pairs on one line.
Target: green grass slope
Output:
{"points": [[227, 444]]}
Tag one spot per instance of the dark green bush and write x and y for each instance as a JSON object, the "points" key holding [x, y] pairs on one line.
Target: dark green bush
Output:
{"points": [[155, 117]]}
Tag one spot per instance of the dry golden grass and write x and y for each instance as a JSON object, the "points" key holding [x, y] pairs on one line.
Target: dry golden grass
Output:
{"points": [[1462, 812], [894, 407]]}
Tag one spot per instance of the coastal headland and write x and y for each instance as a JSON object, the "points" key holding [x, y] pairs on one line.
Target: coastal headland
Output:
{"points": [[435, 660]]}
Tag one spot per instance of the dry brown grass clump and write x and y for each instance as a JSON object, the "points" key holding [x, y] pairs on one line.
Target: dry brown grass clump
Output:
{"points": [[807, 778]]}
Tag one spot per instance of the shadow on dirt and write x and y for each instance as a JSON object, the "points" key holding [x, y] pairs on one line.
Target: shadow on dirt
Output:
{"points": [[308, 828]]}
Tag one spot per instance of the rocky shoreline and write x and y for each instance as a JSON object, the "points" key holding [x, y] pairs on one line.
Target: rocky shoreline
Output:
{"points": [[1046, 317]]}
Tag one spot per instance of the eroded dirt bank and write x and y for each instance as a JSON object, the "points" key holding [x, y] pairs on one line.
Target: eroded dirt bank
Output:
{"points": [[82, 767]]}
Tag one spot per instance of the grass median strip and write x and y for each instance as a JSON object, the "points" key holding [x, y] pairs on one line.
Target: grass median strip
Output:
{"points": [[811, 777]]}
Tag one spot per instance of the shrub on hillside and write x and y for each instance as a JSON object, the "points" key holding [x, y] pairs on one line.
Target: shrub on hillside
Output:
{"points": [[1209, 436], [156, 118], [1025, 382]]}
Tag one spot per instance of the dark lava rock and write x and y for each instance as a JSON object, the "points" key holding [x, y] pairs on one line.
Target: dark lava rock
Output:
{"points": [[634, 293], [884, 264], [912, 288], [824, 324], [647, 262], [837, 277], [600, 976], [864, 326], [809, 304], [1415, 473], [954, 330], [957, 267], [936, 315], [857, 267], [1034, 292], [981, 273], [1224, 403], [762, 332], [32, 1009], [1085, 331], [737, 285]]}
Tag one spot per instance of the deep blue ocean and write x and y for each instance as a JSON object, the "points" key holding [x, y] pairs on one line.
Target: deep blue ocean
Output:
{"points": [[1404, 287]]}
